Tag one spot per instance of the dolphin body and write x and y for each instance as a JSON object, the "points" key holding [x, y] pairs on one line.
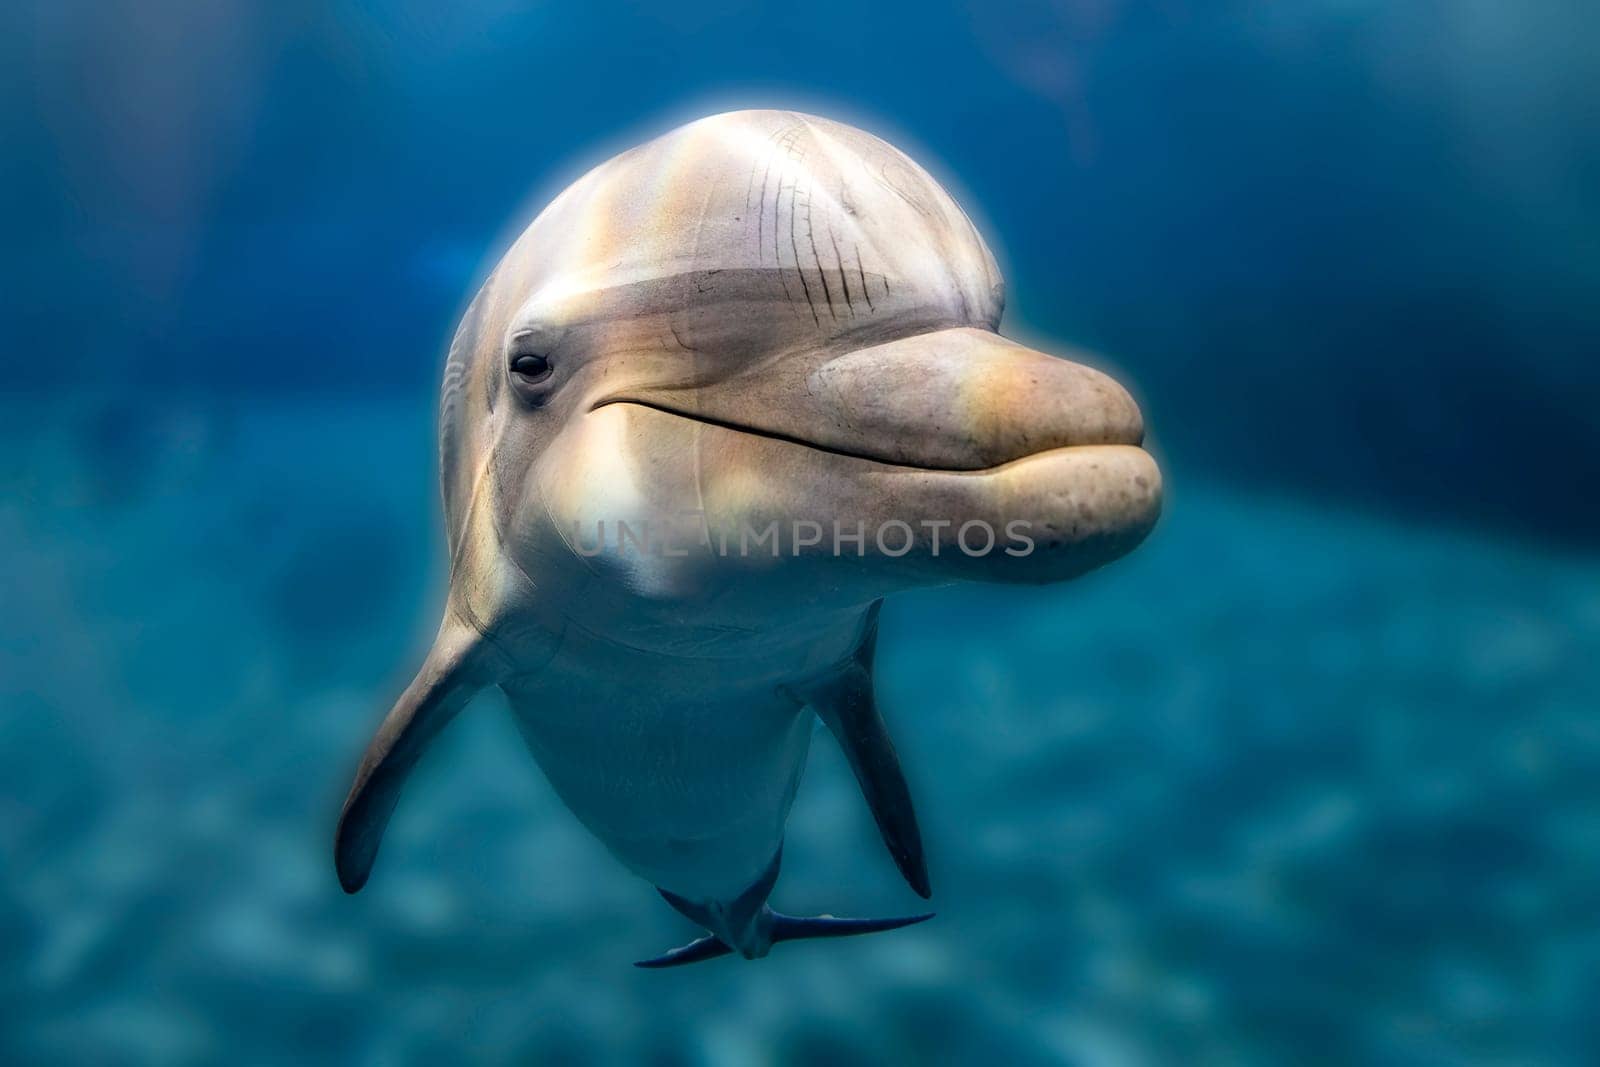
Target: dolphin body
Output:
{"points": [[778, 325]]}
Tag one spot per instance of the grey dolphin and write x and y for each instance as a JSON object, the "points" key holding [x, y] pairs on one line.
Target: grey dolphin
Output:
{"points": [[782, 328]]}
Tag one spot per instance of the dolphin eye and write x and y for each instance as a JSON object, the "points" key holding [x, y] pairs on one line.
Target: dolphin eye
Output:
{"points": [[531, 368]]}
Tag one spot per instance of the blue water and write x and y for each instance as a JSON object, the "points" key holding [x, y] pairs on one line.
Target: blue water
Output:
{"points": [[1309, 778]]}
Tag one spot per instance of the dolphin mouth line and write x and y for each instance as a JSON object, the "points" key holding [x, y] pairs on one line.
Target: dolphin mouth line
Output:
{"points": [[830, 450]]}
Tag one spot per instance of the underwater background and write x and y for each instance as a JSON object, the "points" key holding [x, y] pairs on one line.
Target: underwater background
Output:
{"points": [[1312, 777]]}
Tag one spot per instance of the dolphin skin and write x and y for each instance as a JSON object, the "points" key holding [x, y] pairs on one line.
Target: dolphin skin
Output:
{"points": [[727, 392]]}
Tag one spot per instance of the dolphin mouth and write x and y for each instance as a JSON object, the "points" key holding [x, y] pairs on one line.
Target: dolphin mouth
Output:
{"points": [[957, 428], [1065, 509], [1130, 434]]}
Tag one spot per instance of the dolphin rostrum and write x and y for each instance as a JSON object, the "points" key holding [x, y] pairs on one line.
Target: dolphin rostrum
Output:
{"points": [[727, 392]]}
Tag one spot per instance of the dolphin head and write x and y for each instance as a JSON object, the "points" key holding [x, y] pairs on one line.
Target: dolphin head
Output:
{"points": [[750, 371]]}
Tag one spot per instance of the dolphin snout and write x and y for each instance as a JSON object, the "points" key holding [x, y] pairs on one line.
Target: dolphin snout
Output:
{"points": [[967, 399]]}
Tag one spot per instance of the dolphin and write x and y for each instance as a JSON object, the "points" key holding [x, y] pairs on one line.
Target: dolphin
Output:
{"points": [[728, 391]]}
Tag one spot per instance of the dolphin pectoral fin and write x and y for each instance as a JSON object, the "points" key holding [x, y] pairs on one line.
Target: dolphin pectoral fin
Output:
{"points": [[851, 714], [783, 928], [844, 701], [454, 671]]}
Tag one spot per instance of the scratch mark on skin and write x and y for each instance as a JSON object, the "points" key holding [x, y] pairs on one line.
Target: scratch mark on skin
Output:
{"points": [[794, 246], [863, 275], [761, 215], [911, 199], [676, 337], [843, 281], [811, 235], [777, 201], [786, 140], [777, 258]]}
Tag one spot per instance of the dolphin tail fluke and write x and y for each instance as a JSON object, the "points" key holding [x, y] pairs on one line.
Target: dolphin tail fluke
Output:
{"points": [[784, 928], [805, 927], [455, 670], [843, 700], [705, 948]]}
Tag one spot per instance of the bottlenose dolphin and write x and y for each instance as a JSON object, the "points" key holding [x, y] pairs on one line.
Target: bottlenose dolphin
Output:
{"points": [[724, 394]]}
